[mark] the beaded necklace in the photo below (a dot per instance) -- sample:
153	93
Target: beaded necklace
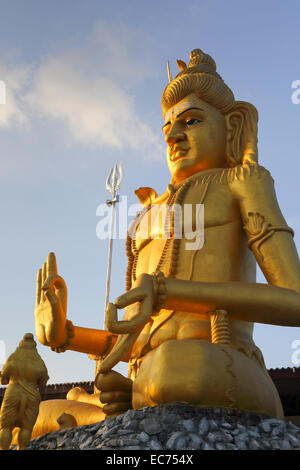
175	197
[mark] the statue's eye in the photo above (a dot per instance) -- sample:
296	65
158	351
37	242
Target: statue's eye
192	121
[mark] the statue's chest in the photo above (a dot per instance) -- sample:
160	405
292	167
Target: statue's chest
181	216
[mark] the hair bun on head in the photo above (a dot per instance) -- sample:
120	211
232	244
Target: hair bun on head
198	57
199	77
199	63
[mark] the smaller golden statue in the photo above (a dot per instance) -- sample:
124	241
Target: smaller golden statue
66	421
24	371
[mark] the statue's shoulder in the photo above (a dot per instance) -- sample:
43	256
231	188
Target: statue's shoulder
247	172
250	179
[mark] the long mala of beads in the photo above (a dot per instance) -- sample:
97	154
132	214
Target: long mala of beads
133	253
130	262
176	241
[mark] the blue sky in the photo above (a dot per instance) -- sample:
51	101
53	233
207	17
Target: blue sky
84	81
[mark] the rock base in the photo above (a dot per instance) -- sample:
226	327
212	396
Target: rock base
176	426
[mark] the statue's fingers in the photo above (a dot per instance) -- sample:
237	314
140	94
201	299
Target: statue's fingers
111	316
51	265
52	325
113	397
134	295
136	321
44	273
113	324
56	284
146	308
54	281
122	326
116	408
121	347
39	287
113	380
44	277
50	295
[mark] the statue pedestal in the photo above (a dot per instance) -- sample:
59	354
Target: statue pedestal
177	426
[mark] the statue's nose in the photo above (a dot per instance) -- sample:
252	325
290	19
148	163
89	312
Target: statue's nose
175	134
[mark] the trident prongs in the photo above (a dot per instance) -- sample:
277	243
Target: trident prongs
114	180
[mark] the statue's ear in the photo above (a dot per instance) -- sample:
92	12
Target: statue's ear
241	145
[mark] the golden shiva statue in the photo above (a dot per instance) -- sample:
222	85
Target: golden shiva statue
24	371
187	330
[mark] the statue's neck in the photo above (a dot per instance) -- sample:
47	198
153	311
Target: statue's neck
197	175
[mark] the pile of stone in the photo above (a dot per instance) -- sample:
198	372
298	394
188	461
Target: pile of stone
177	426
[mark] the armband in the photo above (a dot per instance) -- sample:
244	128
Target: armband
258	230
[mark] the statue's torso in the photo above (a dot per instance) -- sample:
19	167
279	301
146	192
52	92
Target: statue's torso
223	257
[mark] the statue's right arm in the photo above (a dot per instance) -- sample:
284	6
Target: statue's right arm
92	341
52	327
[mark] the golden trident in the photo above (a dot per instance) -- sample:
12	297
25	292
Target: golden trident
113	182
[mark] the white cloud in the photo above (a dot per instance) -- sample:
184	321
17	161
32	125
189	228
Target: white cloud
16	78
88	90
96	109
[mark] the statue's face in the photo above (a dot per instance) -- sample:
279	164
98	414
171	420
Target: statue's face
196	136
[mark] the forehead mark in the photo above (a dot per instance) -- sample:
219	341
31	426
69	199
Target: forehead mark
172	113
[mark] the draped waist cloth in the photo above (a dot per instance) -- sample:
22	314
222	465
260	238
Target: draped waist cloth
20	405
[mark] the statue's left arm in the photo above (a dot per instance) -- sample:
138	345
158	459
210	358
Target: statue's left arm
271	241
269	236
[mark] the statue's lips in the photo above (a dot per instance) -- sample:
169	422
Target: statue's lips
178	153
